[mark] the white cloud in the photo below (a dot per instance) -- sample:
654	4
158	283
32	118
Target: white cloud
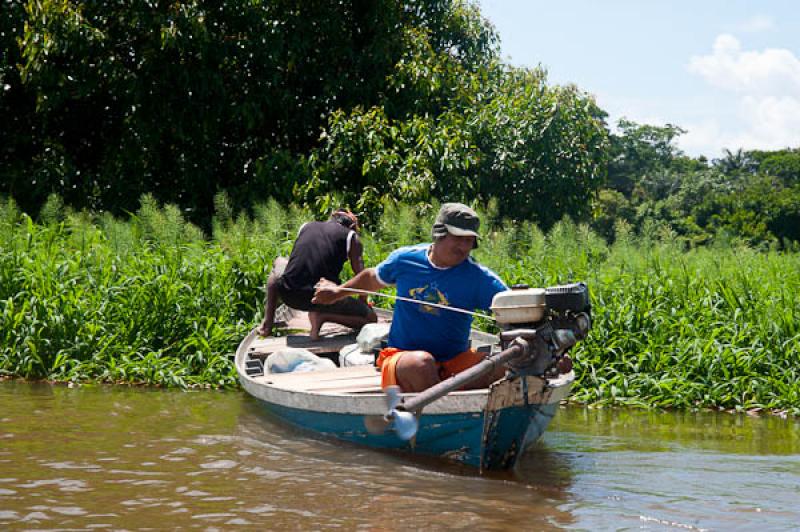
774	121
775	70
767	86
710	136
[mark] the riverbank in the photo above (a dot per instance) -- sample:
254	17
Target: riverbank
151	300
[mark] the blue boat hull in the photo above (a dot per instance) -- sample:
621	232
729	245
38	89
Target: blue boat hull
492	440
485	428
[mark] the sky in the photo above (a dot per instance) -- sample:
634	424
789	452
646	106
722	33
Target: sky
726	71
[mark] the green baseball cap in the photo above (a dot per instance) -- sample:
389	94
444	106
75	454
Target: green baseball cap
457	219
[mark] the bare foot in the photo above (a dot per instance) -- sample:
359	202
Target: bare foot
316	325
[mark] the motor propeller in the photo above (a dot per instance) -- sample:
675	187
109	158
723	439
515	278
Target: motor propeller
404	423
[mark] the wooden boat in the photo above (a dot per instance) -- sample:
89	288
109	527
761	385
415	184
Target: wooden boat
486	428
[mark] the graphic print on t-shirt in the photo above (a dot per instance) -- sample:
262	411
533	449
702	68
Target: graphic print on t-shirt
431	294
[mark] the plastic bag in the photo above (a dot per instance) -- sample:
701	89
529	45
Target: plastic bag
294	359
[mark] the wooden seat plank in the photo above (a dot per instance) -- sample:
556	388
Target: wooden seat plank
261	348
356	378
338	374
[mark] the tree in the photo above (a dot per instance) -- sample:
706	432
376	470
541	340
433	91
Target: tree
183	99
640	150
502	134
21	131
543	149
735	164
784	164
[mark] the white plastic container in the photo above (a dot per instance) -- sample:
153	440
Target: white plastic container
351	355
519	306
371	335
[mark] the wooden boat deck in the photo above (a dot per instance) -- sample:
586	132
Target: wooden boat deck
354	379
328	343
333	337
295	333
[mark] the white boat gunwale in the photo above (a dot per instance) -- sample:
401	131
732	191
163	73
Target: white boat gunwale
307	391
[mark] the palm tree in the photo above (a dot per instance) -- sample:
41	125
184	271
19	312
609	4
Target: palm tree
735	164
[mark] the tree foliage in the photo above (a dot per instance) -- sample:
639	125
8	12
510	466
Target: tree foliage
183	99
783	164
20	134
362	103
316	101
506	134
751	196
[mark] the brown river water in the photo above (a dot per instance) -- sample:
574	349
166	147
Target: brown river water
131	458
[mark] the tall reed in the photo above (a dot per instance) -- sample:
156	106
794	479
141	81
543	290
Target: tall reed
151	300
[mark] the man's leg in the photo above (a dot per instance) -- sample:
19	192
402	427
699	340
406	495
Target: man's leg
416	371
319	317
271	299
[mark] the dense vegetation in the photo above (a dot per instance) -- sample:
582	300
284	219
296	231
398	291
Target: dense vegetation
233	114
349	102
318	102
151	301
328	103
751	197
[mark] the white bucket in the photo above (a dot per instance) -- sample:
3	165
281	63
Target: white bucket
371	335
351	355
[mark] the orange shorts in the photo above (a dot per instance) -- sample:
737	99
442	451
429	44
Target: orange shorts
389	356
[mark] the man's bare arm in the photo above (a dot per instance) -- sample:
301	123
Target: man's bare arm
328	292
356	255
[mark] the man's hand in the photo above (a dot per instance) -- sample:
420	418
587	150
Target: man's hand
326	292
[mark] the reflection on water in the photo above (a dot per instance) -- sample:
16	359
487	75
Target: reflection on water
135	458
633	469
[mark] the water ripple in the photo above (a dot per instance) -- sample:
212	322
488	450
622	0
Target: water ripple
164	461
220	464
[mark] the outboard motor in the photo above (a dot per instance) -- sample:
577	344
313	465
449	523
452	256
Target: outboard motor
551	320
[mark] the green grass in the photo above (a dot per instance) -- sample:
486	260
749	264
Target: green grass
144	301
151	300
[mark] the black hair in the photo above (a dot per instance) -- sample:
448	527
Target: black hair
345	219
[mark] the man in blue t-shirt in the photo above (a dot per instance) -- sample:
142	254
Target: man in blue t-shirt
429	343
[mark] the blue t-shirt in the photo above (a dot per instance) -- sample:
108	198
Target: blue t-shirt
441	332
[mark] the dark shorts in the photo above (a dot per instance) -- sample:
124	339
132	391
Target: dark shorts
301	300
